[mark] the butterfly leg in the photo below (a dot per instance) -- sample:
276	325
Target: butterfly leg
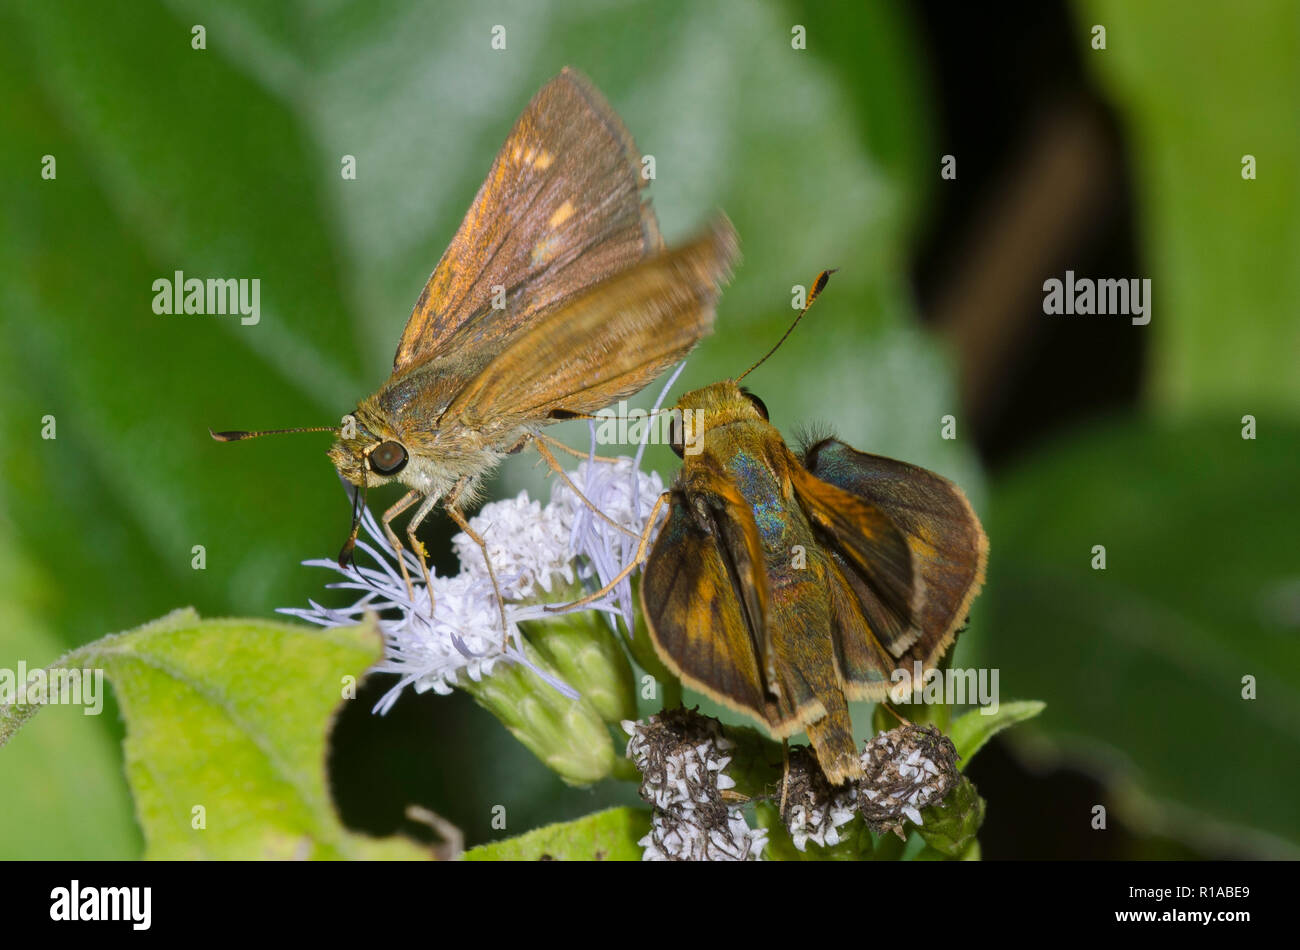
550	460
896	714
452	497
572	451
406	501
632	565
785	776
417	545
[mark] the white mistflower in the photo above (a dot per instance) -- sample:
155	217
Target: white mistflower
626	496
528	545
531	546
463	637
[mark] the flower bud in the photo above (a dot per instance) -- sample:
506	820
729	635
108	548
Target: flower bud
568	735
906	769
950	826
588	657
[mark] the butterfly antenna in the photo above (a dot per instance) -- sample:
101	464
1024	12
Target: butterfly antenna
818	286
238	435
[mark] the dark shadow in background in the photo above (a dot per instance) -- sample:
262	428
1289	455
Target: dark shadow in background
1041	155
1043	185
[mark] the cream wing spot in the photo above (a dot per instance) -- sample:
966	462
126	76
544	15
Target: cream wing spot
563	213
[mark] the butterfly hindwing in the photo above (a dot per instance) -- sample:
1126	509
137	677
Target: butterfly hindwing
603	346
947	546
874	555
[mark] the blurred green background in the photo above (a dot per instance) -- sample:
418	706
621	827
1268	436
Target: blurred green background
1072	431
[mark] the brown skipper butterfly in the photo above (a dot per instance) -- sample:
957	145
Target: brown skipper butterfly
784	584
555	298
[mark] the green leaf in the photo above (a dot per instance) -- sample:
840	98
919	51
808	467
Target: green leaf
1142	663
880	62
227	722
971	853
971	730
133	482
63	796
1221	250
609	835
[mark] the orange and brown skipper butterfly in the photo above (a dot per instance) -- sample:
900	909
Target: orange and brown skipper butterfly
555	298
784	584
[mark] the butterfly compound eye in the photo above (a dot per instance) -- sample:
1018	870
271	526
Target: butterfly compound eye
758	403
388	458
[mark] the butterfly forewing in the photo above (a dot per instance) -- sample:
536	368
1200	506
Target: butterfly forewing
561	209
697	618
